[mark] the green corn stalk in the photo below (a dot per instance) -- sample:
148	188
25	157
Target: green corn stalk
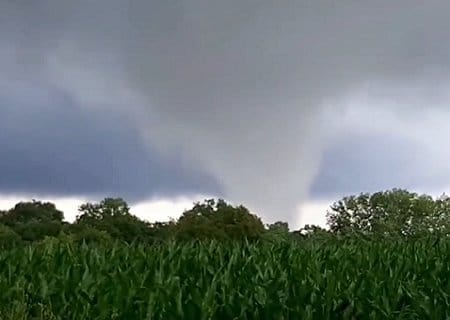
343	279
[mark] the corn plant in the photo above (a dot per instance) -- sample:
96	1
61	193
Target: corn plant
211	280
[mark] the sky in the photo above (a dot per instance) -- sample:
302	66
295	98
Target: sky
283	106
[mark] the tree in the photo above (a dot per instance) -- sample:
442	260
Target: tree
311	230
108	207
440	222
219	220
279	226
35	231
34	220
278	231
32	212
394	212
162	231
84	233
112	215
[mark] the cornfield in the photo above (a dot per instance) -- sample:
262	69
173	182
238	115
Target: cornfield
340	280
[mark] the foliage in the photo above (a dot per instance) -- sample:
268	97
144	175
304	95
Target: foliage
278	231
107	208
32	212
85	233
35	231
390	213
8	237
393	213
386	279
439	222
112	215
162	231
279	226
314	232
219	220
34	220
111	265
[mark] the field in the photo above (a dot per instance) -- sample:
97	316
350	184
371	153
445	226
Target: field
339	280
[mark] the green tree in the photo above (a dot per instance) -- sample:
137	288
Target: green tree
311	230
395	212
108	207
162	231
213	219
34	220
112	215
32	212
84	233
279	226
35	231
278	231
440	221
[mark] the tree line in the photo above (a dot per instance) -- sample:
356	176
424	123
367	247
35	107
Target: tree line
391	213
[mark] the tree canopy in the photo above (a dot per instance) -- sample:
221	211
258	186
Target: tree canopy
395	212
213	219
391	213
32	212
107	208
33	220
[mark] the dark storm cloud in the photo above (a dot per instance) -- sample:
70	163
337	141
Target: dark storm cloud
239	88
371	162
49	146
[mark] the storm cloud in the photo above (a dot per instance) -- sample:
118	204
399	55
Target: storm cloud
49	146
373	162
247	92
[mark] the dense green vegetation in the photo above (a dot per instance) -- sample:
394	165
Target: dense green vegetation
333	280
385	256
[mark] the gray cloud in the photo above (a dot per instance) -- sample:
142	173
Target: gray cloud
50	146
370	162
240	88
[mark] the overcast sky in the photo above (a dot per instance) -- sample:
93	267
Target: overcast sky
279	105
